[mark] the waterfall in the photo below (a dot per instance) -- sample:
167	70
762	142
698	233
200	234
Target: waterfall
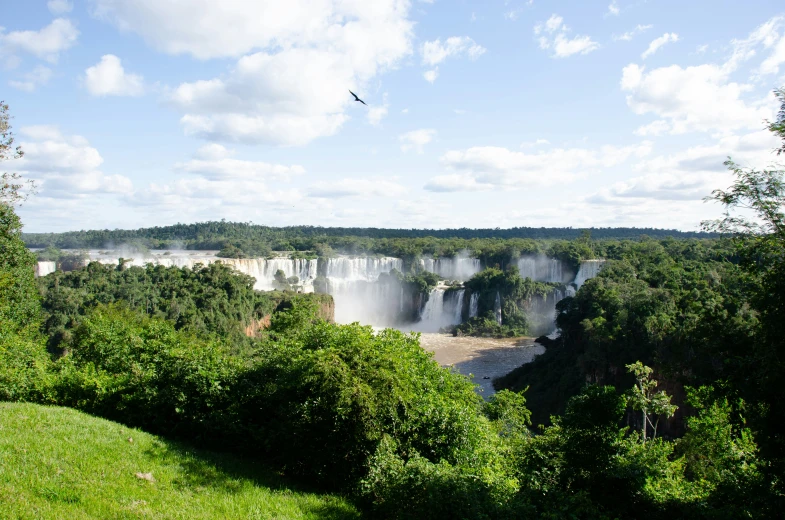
543	269
474	305
44	268
589	269
458	315
433	313
458	268
497	308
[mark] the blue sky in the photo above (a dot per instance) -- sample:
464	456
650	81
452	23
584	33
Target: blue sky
481	114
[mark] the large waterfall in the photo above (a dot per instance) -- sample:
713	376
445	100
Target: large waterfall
359	293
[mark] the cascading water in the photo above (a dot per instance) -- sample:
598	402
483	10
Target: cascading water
44	268
458	268
474	305
588	269
543	269
458	313
497	308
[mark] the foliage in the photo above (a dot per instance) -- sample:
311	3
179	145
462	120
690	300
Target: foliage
643	398
520	299
12	186
211	299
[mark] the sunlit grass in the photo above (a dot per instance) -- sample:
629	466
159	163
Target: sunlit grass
61	463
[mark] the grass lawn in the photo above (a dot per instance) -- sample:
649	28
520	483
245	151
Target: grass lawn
63	464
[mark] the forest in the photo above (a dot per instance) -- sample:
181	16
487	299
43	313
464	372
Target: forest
662	396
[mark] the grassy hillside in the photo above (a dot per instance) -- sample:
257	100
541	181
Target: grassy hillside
61	463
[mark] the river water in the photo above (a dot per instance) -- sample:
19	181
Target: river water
481	357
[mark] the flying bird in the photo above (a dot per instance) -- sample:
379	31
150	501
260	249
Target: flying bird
358	99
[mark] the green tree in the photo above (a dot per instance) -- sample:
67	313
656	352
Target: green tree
643	397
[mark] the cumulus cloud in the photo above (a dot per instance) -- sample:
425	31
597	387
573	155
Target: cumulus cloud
687	99
215	162
629	35
294	60
416	139
109	78
46	44
59	6
485	167
553	35
613	9
214	180
356	188
690	174
657	44
431	75
30	81
65	166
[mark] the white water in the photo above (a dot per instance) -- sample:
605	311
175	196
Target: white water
474	305
458	313
458	268
442	309
543	269
497	308
589	269
44	268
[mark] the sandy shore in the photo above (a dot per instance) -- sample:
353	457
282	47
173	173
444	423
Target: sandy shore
481	357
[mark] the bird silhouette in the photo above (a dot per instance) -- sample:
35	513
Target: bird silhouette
358	99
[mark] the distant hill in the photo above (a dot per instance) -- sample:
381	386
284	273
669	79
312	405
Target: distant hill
214	233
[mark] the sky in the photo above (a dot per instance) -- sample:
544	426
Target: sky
496	113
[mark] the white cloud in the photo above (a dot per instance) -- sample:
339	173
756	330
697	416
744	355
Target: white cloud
65	166
214	181
655	128
613	8
456	182
32	80
483	167
702	49
688	99
295	60
431	75
656	44
768	34
57	7
46	44
108	78
553	35
214	162
690	174
416	139
434	52
378	112
356	188
629	35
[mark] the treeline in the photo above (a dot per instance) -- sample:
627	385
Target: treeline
216	234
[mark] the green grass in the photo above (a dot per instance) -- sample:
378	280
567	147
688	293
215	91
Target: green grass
61	463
